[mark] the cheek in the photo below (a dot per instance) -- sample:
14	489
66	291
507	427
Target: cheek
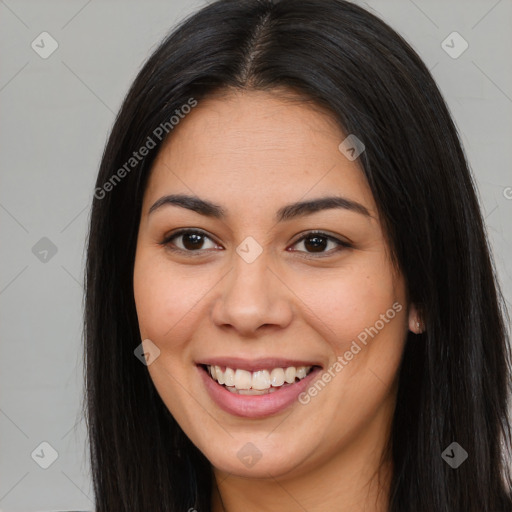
167	300
168	305
361	313
348	301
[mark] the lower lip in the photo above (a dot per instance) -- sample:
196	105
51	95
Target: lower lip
255	406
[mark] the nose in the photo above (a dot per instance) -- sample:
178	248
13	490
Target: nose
252	297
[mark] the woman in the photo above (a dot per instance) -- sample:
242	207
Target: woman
290	300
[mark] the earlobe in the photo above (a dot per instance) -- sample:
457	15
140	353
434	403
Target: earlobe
415	322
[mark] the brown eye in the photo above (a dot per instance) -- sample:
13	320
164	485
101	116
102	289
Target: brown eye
189	241
318	243
192	241
315	243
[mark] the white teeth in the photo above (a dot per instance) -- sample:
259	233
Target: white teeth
220	375
243	379
229	377
289	374
259	382
301	372
277	377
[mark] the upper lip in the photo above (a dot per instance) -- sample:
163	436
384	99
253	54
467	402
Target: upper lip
253	365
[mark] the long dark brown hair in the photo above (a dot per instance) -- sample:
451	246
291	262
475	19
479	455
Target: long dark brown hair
454	380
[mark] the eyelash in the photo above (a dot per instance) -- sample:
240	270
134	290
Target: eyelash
310	234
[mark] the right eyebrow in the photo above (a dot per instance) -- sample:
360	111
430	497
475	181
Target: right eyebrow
201	206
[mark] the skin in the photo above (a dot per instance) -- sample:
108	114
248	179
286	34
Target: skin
252	153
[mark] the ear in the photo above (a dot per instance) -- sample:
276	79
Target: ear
415	321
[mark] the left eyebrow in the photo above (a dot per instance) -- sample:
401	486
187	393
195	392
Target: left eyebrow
302	208
287	212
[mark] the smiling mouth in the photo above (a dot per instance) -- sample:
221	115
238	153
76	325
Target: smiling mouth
261	382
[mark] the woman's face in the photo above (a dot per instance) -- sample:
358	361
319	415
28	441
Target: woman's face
249	288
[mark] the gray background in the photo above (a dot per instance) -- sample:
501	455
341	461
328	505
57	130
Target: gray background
56	114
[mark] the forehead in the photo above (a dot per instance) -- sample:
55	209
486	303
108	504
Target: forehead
253	146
